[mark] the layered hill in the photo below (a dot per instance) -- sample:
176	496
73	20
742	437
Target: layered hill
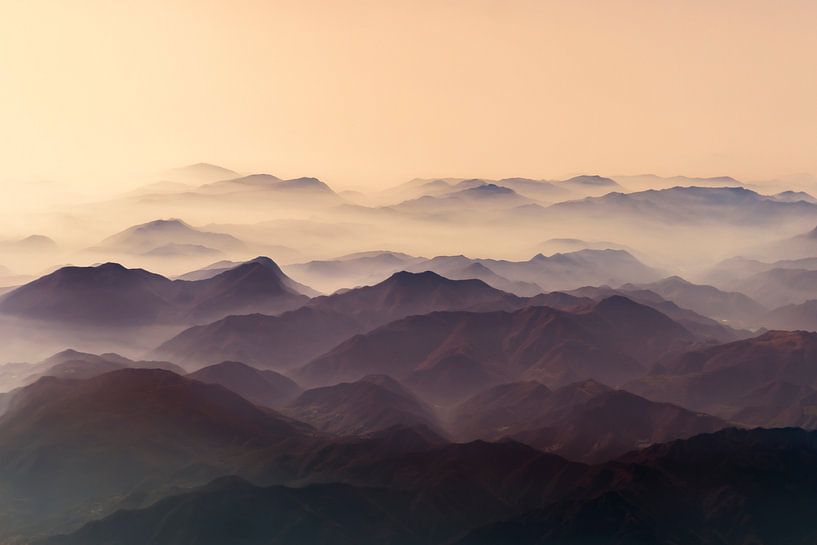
689	206
112	295
729	378
69	445
733	486
298	336
450	355
733	307
584	421
261	386
371	404
155	235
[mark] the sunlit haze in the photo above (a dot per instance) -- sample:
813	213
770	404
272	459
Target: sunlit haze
369	94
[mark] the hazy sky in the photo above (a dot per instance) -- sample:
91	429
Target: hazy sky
376	92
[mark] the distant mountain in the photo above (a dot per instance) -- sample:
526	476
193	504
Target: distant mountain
463	268
133	432
482	196
802	316
715	379
354	270
591	185
735	308
798	247
776	287
73	364
652	181
298	336
182	250
448	356
546	273
541	190
262	387
702	326
268	182
523	278
371	404
735	206
567	245
32	243
112	295
794	196
198	173
726	274
575	269
209	271
154	236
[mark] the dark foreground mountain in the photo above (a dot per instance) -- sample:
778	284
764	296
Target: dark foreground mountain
233	511
444	490
296	337
67	446
733	486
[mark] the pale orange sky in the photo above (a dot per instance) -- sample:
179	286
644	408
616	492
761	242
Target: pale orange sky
372	93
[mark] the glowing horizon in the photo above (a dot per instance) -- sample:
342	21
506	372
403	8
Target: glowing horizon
369	94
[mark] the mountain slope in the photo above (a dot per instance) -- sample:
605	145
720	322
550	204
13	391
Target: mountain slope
614	422
736	206
112	295
295	337
234	511
371	404
733	486
147	237
106	294
68	445
733	307
713	378
451	355
262	387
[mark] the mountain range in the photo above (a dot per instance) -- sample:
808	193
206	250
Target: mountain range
451	355
297	336
112	295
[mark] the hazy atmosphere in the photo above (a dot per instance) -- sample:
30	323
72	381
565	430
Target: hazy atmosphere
373	93
408	273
